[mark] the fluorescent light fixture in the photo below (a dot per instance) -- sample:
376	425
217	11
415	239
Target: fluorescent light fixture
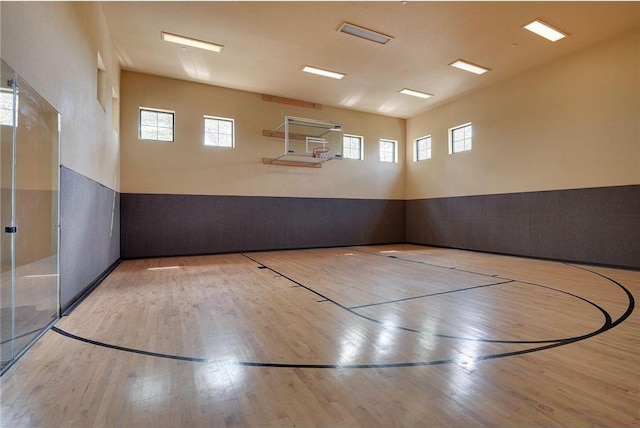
321	72
365	33
467	66
415	93
194	43
545	30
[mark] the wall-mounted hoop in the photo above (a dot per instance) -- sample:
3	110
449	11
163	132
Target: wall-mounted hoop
308	140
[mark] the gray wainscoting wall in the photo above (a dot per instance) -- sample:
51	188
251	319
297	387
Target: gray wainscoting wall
594	225
89	233
166	225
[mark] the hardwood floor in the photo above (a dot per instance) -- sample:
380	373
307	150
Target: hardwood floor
397	335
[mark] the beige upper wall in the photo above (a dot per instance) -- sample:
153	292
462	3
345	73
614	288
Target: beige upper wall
572	123
186	166
54	46
568	124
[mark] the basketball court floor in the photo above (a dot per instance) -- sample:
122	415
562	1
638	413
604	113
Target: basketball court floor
394	335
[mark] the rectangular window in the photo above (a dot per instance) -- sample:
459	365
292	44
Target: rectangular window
102	83
156	124
352	147
460	138
388	151
423	148
115	110
219	132
6	107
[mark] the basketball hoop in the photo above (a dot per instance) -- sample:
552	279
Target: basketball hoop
321	153
307	142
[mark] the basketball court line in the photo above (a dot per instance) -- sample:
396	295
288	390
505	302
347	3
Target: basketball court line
328	253
430	295
607	317
294	365
498	276
546	344
421	262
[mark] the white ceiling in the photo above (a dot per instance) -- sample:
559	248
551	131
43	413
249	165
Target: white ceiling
267	43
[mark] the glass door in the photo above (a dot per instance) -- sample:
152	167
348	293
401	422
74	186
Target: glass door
29	295
8	113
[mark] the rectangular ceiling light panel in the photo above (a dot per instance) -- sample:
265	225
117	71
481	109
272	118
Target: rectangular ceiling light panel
321	72
467	66
188	41
415	93
545	30
365	33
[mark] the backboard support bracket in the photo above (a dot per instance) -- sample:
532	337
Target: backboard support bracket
282	162
291	101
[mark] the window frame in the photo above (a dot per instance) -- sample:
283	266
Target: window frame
157	110
360	138
223	119
428	149
452	142
394	153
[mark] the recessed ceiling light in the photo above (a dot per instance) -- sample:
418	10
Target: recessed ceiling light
194	43
321	72
545	30
365	33
467	66
415	93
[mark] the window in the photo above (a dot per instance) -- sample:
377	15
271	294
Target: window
352	147
115	110
6	107
102	83
460	138
423	148
388	151
156	124
218	132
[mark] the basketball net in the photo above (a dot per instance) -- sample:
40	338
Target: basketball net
321	153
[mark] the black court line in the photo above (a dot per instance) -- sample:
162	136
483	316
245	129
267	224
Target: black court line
421	262
461	361
325	298
263	266
632	301
609	324
606	315
430	295
132	350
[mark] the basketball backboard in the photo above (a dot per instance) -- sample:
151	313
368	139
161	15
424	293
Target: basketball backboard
310	138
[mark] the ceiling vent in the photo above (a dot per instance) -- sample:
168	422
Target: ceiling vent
365	33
